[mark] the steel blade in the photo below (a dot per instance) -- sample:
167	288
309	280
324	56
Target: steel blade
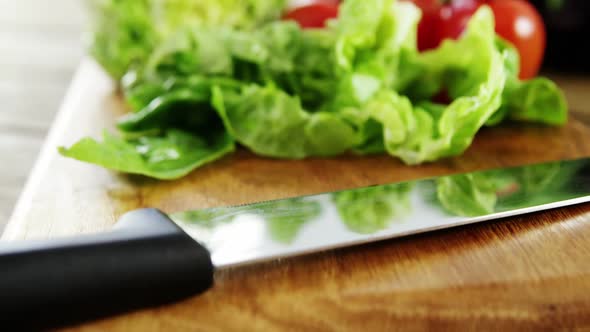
294	226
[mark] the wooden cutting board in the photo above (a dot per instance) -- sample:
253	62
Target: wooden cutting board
527	272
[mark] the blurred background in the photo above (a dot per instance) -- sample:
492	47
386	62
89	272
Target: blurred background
40	47
567	23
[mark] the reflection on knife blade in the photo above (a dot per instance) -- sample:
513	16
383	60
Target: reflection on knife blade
293	226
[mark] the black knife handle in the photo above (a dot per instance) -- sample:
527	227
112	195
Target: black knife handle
144	261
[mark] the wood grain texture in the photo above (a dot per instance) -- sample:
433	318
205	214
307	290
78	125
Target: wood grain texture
529	272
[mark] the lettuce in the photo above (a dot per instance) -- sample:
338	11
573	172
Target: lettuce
538	100
357	28
272	123
169	155
202	76
471	69
125	33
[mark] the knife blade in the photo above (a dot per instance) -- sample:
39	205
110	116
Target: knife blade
150	258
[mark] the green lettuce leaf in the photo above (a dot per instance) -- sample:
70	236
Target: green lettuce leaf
357	26
313	78
125	33
181	103
170	155
536	100
180	108
122	34
190	51
379	61
472	71
244	14
272	123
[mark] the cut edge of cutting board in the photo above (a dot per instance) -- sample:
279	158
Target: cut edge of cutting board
84	77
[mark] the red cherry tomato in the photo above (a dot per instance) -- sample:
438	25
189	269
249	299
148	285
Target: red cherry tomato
427	36
443	19
453	18
314	15
519	22
516	21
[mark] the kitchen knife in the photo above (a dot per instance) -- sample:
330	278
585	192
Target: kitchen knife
150	258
